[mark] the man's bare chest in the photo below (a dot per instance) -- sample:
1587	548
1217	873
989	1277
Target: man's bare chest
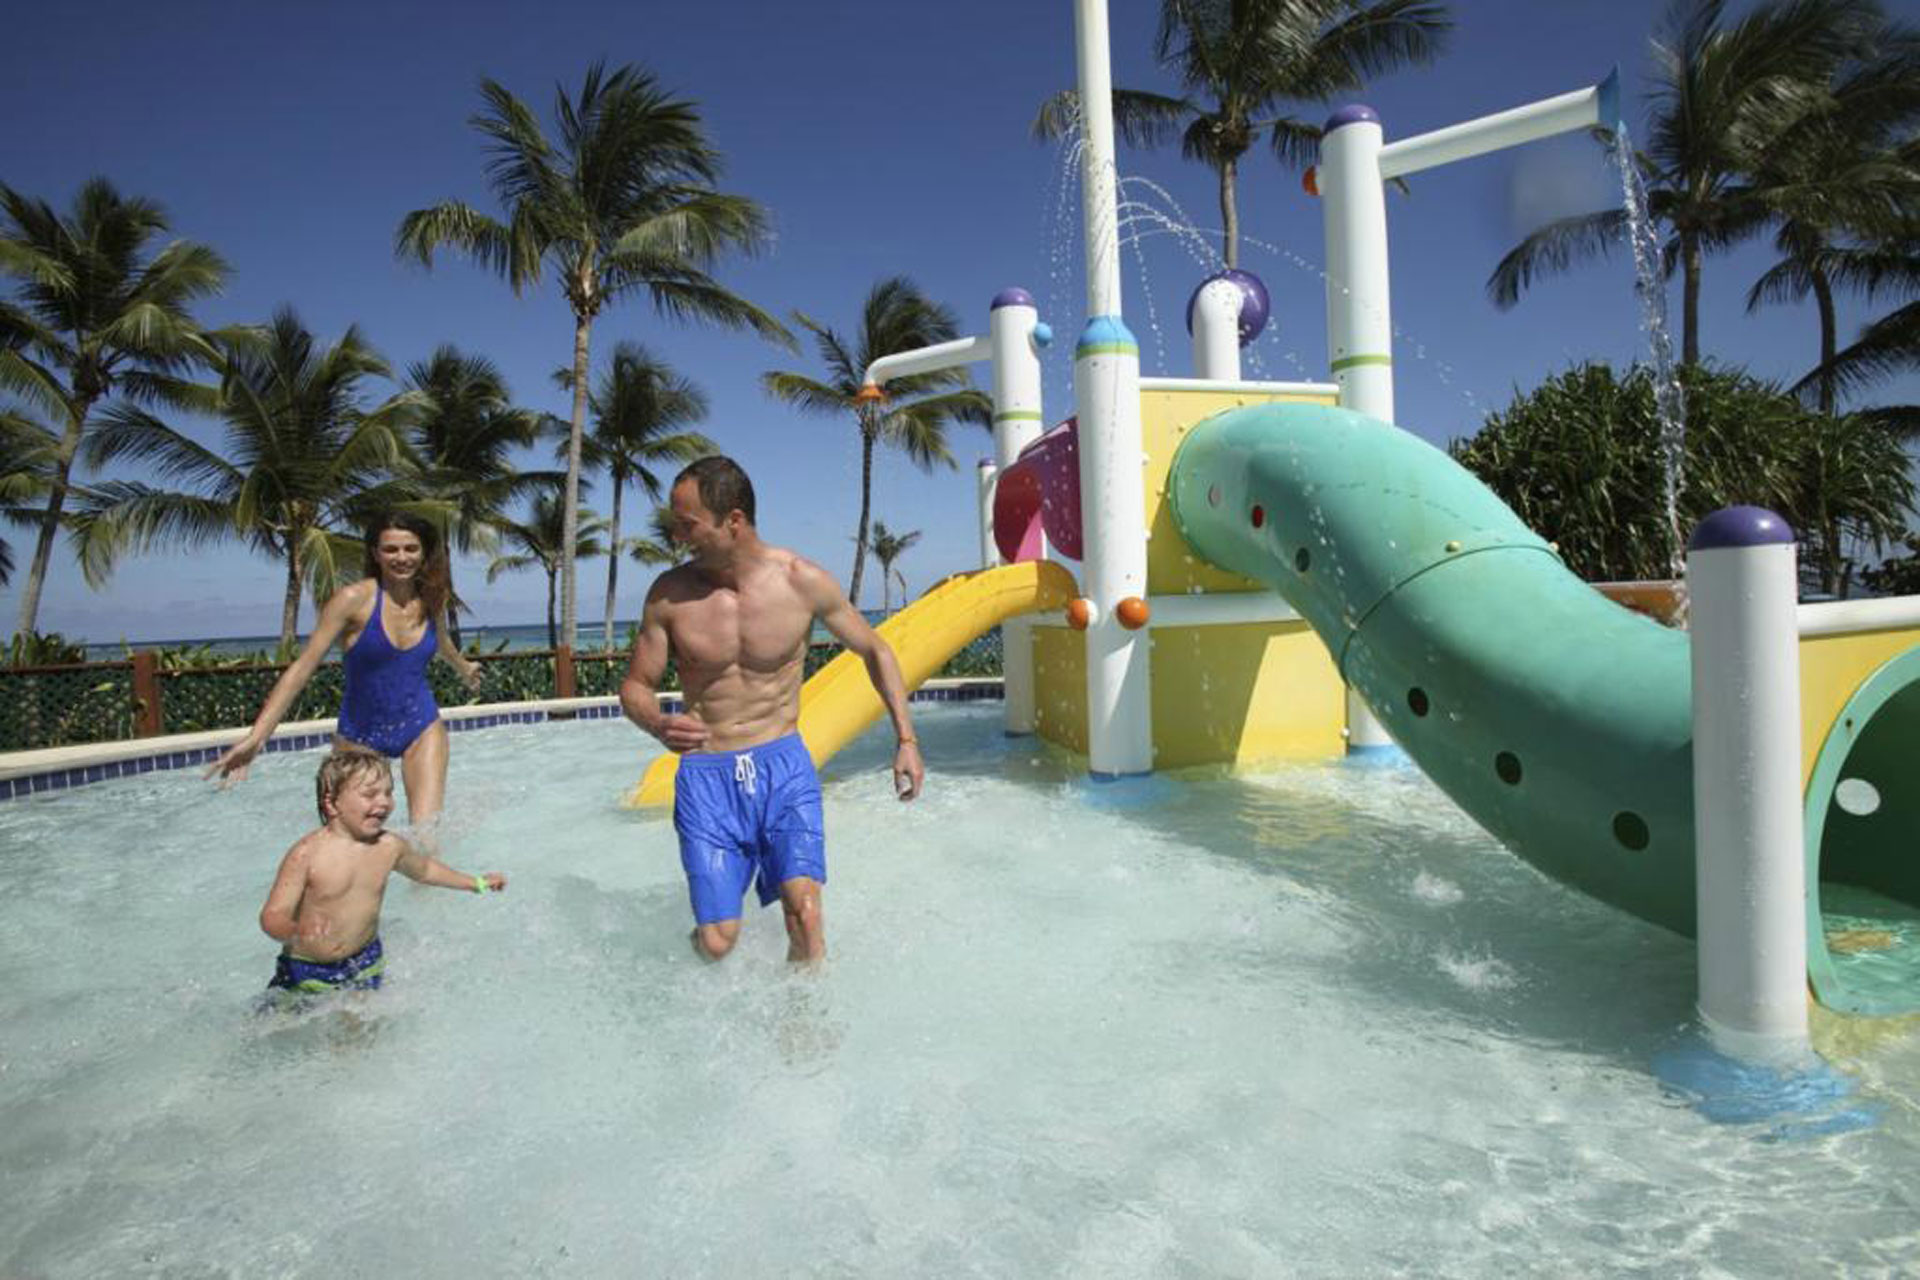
729	630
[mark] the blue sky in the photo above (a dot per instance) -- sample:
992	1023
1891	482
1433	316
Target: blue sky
884	138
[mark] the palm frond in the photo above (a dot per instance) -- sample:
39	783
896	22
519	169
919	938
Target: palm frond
1553	248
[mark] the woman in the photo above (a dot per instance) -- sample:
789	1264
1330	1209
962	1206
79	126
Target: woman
390	624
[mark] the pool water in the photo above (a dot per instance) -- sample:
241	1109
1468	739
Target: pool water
1309	1022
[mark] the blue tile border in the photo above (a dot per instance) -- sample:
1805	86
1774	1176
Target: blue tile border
82	775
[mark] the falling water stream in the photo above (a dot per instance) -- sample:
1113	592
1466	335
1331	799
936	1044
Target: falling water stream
1669	398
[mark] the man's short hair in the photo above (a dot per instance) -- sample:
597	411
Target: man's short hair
343	765
723	486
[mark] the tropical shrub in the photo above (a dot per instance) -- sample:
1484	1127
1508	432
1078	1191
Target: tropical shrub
1579	459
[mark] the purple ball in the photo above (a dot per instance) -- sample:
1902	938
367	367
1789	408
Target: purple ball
1254	303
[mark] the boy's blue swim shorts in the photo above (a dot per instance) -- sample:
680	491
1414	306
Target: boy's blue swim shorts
358	971
742	813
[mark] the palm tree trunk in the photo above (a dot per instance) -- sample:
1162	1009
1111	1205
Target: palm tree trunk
1690	300
50	520
1229	213
866	504
1823	296
570	525
290	604
454	605
553	636
1830	559
613	556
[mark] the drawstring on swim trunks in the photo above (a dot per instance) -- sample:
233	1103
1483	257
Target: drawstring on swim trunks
743	772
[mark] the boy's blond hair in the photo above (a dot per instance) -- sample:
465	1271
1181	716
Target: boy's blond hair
343	765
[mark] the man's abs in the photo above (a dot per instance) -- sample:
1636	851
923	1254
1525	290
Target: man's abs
744	709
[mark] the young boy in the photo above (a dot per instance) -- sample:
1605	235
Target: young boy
324	906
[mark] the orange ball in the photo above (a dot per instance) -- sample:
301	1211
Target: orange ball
1310	182
1079	614
1132	613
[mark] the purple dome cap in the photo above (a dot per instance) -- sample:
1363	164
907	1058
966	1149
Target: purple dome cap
1740	527
1255	305
1011	298
1354	114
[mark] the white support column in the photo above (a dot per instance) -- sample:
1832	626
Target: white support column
1106	381
1017	336
1359	325
1750	859
1216	331
989	553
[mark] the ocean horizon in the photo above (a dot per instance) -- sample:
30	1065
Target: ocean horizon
502	638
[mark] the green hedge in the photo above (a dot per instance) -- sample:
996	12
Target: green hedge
94	702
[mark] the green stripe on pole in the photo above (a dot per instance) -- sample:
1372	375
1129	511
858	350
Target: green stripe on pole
1018	415
1107	349
1350	361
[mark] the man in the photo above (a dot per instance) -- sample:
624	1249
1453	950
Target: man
736	618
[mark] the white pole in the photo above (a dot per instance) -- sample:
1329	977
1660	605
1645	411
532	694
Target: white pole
1359	328
1106	381
1099	175
1216	331
1750	865
989	553
1015	331
1017	336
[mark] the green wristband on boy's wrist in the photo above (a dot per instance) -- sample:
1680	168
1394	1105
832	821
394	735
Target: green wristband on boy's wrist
479	884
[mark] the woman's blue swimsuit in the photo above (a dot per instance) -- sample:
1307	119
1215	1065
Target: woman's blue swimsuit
387	703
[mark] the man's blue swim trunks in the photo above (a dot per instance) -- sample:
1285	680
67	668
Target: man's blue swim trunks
358	972
386	703
739	813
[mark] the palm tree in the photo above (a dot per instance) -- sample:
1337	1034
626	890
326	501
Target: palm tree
639	409
99	313
1721	95
1239	62
301	469
897	317
624	203
1842	182
27	452
889	546
1887	346
464	432
540	539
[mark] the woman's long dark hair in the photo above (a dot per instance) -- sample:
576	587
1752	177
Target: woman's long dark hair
435	578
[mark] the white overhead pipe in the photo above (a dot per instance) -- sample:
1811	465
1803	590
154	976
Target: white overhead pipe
941	355
1322	389
1595	107
1847	617
1220	609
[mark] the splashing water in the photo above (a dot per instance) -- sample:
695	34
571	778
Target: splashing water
1669	398
1301	1020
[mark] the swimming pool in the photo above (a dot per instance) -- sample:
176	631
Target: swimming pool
1309	1022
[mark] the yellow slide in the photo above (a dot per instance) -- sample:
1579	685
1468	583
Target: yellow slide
839	701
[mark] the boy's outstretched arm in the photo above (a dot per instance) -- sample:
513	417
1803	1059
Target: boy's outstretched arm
426	869
279	918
